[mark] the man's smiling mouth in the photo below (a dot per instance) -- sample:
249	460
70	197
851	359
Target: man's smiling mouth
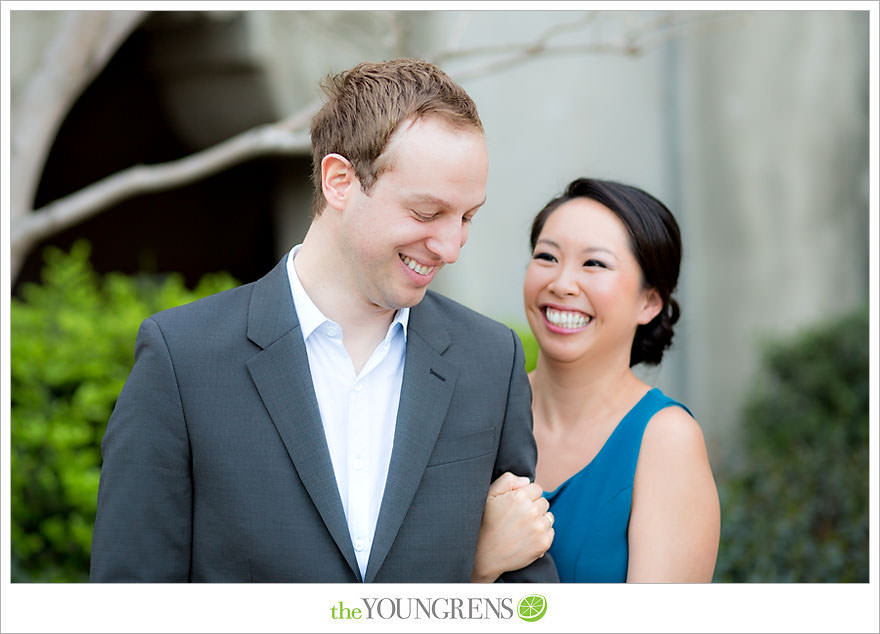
415	266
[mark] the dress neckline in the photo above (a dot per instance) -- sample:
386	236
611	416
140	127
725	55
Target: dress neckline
617	427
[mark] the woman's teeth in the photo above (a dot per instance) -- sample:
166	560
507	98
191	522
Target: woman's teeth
566	319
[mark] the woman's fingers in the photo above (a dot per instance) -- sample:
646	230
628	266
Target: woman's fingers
507	482
530	492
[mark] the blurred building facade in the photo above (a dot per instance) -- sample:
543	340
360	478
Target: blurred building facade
752	126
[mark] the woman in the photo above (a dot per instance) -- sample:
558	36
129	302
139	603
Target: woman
630	492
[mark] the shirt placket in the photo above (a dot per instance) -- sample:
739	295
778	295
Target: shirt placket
363	453
359	482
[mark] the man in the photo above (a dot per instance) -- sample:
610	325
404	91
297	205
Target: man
331	421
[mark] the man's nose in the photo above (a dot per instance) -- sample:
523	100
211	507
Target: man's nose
448	237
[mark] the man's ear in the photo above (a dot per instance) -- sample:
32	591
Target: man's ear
337	179
651	307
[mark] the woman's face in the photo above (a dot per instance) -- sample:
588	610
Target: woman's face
583	290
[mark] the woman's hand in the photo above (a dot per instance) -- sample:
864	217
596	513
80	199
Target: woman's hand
516	530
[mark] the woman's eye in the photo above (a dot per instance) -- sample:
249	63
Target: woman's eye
595	263
544	256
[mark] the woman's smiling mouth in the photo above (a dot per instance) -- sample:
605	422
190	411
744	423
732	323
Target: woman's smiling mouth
571	320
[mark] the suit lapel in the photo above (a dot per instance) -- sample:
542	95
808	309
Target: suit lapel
282	377
425	395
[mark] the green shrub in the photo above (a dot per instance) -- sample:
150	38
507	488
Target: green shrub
530	345
72	348
795	497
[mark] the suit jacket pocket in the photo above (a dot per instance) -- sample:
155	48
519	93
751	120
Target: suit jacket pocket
458	448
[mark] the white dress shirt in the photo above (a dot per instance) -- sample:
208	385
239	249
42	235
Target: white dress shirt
359	411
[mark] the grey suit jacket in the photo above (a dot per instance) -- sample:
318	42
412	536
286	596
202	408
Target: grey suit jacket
216	468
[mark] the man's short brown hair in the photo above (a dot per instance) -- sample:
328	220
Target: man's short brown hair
367	103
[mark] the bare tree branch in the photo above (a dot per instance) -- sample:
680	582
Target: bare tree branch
290	136
141	179
539	42
667	27
85	42
517	57
636	41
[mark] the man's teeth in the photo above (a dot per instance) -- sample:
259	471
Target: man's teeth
415	266
566	319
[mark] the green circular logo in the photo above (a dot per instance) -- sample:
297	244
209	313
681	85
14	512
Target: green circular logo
532	607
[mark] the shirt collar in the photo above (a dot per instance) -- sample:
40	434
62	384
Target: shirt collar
310	317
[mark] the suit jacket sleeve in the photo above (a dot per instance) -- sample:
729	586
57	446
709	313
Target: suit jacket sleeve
143	526
517	453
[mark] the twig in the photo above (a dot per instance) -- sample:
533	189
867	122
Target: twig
636	41
539	42
140	179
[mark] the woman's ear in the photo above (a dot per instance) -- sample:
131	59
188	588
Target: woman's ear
337	179
652	304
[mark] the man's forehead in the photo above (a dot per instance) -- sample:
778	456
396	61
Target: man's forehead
416	123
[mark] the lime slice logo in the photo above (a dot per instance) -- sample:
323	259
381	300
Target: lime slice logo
532	607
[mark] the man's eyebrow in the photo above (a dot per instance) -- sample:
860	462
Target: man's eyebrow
430	199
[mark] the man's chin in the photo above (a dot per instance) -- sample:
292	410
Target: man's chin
409	299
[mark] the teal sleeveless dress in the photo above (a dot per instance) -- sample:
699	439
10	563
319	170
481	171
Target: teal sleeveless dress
591	509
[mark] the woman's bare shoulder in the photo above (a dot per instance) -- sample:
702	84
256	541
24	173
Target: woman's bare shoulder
672	431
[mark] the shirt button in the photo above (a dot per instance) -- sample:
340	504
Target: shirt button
359	545
358	464
358	387
333	331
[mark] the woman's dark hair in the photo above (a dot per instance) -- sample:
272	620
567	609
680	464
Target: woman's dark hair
655	241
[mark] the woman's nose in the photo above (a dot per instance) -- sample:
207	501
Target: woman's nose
564	283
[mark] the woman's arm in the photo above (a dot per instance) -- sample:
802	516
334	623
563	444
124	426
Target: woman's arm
675	523
516	530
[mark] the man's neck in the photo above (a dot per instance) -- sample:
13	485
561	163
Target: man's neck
334	291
